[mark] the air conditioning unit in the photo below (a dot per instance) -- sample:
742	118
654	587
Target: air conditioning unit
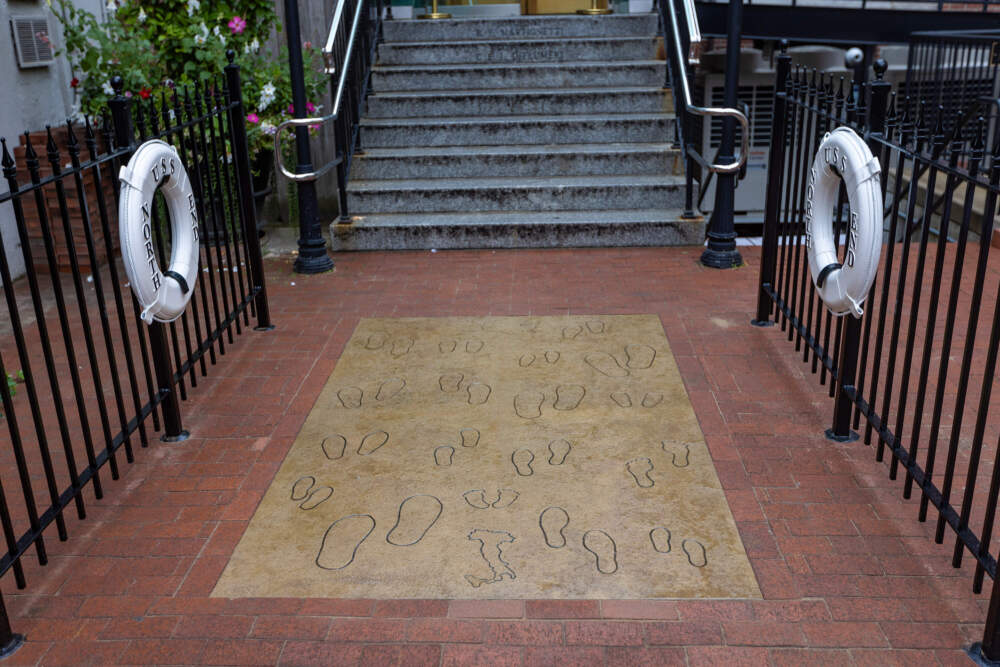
31	41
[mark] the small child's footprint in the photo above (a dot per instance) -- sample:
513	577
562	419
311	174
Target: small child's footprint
622	399
350	397
651	399
451	382
595	326
568	396
447	346
660	539
401	346
478	393
474	346
371	442
604	549
376	340
605	364
640	468
318	496
528	404
334	446
553	521
522	460
571	332
639	356
443	455
302	487
682	460
470	437
695	551
389	388
558	451
505	498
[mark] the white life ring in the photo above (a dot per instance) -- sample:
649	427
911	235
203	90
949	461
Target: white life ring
843	155
162	295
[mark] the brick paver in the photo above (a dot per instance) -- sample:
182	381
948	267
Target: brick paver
847	573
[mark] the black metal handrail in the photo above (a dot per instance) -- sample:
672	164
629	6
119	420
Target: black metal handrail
349	53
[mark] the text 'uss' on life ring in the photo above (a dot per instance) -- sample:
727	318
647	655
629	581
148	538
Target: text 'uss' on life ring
156	166
844	156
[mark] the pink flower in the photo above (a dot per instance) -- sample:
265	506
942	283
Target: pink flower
310	107
291	109
253	118
307	45
237	24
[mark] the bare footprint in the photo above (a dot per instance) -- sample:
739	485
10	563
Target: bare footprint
639	356
682	460
605	364
505	498
446	346
526	360
334	446
443	455
522	460
414	518
371	442
376	340
350	397
470	437
695	552
389	388
604	549
651	400
530	326
553	521
478	393
571	332
595	326
343	539
473	346
640	468
451	382
622	399
528	404
659	537
317	497
568	396
302	487
401	346
551	356
558	451
477	498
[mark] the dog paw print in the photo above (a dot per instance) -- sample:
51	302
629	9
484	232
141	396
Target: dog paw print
473	391
635	357
335	445
528	404
624	399
397	347
308	495
540	360
697	555
353	397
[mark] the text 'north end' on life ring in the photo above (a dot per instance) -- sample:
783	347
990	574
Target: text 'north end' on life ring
844	156
156	166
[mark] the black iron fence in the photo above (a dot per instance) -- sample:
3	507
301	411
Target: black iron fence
95	378
919	367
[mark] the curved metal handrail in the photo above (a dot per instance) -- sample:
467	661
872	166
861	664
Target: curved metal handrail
695	36
319	120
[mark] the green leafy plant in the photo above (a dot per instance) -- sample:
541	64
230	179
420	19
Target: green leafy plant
12	381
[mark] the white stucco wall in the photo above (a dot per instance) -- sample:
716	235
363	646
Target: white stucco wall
32	98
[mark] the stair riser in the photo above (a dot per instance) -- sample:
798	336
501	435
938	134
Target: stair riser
523	166
517	52
507	105
528	132
344	237
524	28
521	199
596	76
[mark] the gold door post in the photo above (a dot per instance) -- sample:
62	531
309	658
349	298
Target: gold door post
434	13
594	9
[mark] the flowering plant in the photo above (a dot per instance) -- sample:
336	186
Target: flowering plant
157	45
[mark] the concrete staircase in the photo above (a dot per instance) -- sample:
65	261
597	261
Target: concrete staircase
530	131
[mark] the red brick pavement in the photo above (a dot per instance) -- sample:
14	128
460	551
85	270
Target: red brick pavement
847	573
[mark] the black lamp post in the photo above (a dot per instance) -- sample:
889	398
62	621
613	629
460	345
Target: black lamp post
312	246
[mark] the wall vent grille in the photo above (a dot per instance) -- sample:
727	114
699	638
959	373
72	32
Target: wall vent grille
31	41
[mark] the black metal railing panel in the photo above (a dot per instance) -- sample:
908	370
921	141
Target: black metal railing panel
919	368
96	379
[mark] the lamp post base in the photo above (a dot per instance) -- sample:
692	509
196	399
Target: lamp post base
721	259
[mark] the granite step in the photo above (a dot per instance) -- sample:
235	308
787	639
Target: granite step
580	74
520	27
433	104
521	161
521	50
509	130
518	229
566	193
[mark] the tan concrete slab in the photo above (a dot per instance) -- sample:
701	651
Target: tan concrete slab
498	457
